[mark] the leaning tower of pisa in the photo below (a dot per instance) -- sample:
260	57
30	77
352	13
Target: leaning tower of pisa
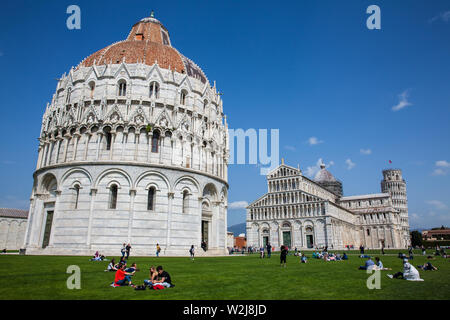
394	184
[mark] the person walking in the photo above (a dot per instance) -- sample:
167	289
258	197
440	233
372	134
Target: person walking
123	250
128	248
269	250
283	256
158	249
191	252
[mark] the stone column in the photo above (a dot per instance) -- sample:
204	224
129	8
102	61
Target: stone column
113	141
170	196
200	199
75	147
55	217
131	214
66	146
91	216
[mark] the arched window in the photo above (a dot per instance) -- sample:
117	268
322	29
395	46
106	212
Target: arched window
155	141
108	137
122	88
92	88
113	197
77	195
185	201
183	97
154	89
151	199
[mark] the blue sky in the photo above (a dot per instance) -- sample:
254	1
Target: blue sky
311	69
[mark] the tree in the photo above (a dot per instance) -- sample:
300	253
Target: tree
416	238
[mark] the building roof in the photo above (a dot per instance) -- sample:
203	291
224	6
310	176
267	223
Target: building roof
13	213
365	196
148	42
324	175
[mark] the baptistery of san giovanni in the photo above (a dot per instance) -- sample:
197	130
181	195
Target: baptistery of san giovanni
133	148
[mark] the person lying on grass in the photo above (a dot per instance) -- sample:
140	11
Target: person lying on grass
409	273
122	278
427	266
132	269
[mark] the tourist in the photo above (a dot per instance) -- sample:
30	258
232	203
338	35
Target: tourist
409	273
192	252
261	252
361	249
132	269
269	250
163	278
369	265
344	256
158	249
283	255
410	251
203	245
152	276
128	248
123	250
382	249
303	259
122	278
427	267
424	251
379	265
112	266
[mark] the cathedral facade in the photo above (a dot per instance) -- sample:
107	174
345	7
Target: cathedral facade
133	149
313	213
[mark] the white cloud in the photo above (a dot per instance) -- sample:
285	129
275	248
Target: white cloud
442	168
403	101
350	164
443	164
439	172
428	220
290	148
238	205
365	151
444	16
437	204
313	141
311	171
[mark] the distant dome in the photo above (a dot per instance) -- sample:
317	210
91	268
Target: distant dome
324	175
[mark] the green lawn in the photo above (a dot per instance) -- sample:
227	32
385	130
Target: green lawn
236	277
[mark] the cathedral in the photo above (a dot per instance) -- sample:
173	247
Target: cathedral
303	213
132	149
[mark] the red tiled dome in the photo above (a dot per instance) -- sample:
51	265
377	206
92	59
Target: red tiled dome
148	42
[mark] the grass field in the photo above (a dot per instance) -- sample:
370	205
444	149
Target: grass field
221	278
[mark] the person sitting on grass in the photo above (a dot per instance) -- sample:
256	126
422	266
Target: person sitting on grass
379	265
122	278
163	278
112	266
153	274
427	267
369	265
409	273
344	256
303	259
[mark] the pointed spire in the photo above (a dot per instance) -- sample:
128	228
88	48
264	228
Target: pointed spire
152	14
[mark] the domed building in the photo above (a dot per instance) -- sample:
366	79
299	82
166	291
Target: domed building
326	180
133	149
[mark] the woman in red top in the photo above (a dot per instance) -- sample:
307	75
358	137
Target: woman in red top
122	278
